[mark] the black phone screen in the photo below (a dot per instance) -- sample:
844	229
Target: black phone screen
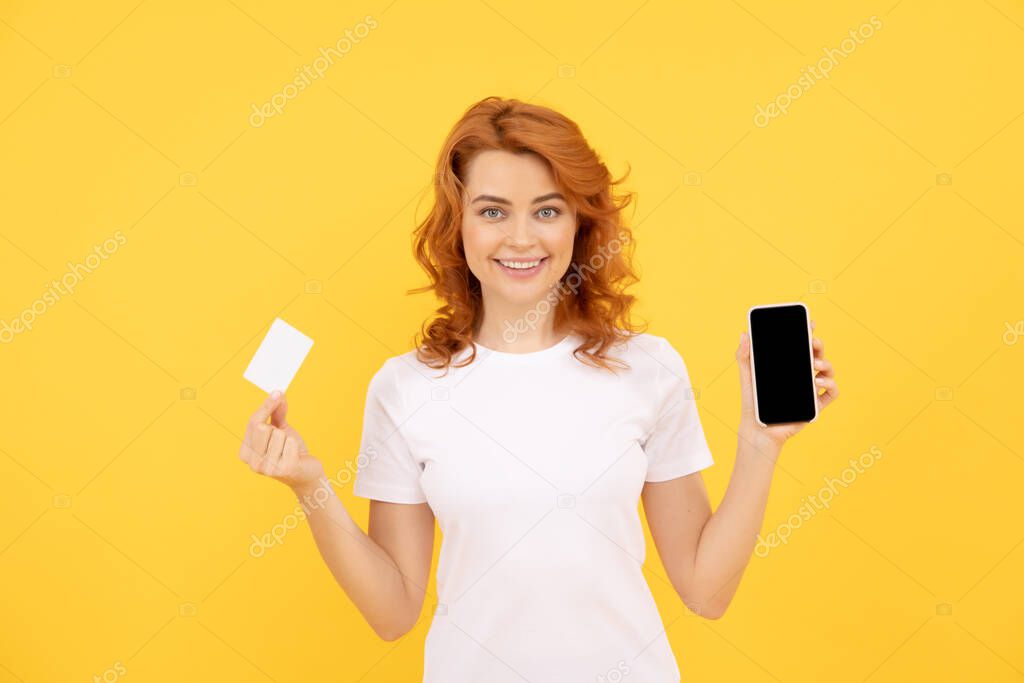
783	374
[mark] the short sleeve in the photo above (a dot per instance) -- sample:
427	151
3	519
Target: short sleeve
675	445
385	468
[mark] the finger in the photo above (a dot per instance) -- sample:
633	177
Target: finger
258	465
823	367
266	409
826	383
743	361
812	324
257	461
246	454
831	394
260	438
277	417
818	346
299	443
290	455
276	445
743	350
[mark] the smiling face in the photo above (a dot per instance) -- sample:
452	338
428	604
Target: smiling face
514	217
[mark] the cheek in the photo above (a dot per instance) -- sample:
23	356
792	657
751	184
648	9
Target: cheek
470	237
564	242
476	242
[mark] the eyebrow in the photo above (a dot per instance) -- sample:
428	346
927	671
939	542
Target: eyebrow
501	200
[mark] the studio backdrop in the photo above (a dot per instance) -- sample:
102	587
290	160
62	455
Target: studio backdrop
176	175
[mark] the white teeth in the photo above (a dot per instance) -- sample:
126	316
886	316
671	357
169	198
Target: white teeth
520	265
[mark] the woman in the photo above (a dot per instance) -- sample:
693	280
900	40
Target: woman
529	421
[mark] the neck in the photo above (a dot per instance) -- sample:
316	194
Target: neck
518	329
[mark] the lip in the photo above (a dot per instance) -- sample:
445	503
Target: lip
519	273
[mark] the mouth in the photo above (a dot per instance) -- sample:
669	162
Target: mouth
521	267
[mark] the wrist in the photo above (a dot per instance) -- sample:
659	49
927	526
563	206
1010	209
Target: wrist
314	493
755	441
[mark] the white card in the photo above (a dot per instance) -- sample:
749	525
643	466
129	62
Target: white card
278	358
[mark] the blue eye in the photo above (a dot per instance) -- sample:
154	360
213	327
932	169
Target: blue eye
557	212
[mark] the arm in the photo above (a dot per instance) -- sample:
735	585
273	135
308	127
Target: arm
384	572
705	554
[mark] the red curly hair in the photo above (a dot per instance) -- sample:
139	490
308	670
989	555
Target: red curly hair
590	297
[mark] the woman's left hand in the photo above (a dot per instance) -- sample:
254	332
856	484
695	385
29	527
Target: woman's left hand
774	436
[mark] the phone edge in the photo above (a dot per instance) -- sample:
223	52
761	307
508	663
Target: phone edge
810	347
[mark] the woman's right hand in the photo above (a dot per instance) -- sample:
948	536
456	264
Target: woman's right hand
276	449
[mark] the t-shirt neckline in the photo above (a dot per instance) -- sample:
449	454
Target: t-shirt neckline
565	342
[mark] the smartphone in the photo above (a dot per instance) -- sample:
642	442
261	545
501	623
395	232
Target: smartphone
782	364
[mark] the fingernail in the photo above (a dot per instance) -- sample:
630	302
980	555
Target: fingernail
819	380
275	395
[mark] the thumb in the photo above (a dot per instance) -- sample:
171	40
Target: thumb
279	409
743	361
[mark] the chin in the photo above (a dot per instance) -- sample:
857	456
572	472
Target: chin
525	295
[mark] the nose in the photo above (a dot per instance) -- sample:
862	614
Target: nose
521	232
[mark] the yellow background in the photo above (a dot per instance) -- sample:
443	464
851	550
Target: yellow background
887	199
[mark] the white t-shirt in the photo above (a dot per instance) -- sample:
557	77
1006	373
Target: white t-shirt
533	464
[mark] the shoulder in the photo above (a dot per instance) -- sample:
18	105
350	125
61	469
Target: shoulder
645	344
383	382
393	374
658	354
394	365
647	341
404	373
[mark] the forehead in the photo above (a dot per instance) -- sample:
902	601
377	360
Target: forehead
522	175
